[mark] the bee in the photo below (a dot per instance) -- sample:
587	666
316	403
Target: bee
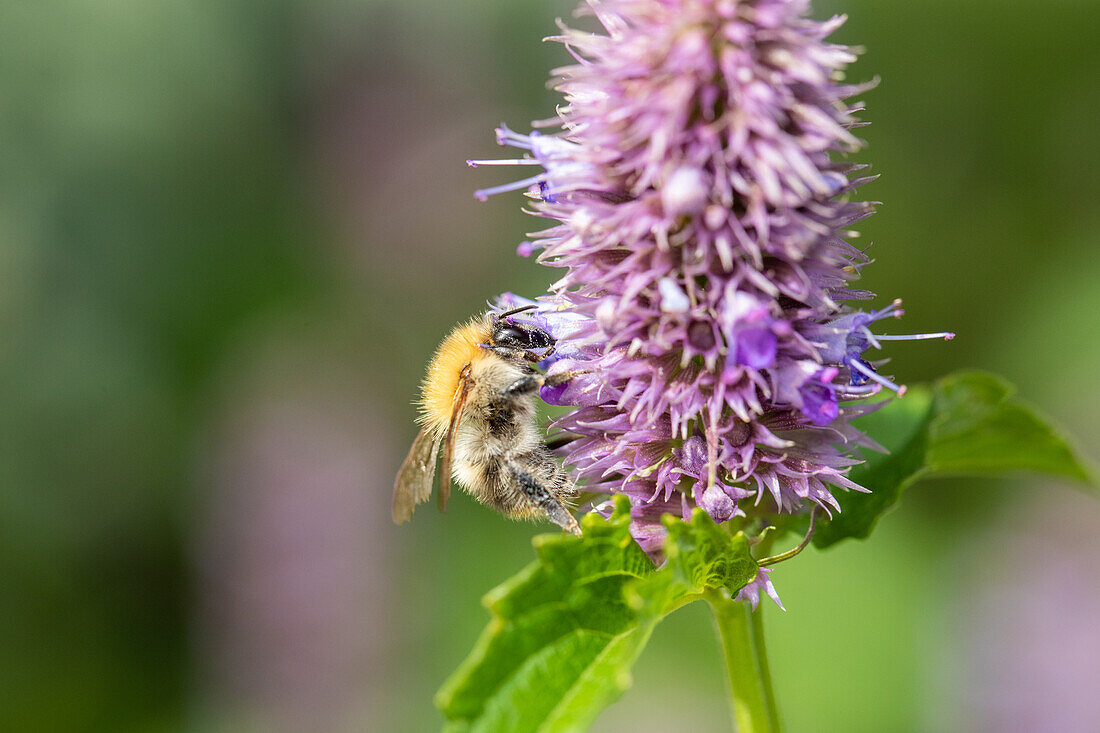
477	408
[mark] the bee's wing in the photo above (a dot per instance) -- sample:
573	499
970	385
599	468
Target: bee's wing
415	478
463	392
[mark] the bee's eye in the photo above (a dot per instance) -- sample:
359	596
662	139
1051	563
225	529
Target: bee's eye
521	337
540	339
511	336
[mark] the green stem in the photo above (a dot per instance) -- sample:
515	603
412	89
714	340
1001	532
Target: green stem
756	619
741	633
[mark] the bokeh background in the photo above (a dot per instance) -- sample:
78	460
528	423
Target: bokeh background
231	233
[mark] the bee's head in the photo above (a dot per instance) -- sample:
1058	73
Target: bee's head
509	335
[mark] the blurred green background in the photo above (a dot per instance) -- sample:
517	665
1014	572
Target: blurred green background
232	232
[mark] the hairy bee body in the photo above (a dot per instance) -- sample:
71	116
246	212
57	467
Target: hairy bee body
478	402
493	432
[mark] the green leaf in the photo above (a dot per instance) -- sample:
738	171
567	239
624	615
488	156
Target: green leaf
966	424
981	429
902	428
566	630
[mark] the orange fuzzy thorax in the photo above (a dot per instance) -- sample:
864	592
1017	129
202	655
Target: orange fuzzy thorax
457	350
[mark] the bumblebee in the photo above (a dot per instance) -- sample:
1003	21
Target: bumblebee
477	409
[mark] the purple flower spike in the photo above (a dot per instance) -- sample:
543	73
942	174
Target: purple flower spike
700	207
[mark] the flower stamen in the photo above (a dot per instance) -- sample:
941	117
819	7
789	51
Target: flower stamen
859	365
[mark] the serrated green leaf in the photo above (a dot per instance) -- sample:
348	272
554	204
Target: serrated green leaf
567	629
967	423
703	555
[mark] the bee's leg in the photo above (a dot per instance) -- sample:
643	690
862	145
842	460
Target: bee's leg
535	357
541	497
531	382
548	353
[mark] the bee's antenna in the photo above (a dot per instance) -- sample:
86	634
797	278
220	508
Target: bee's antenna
505	314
